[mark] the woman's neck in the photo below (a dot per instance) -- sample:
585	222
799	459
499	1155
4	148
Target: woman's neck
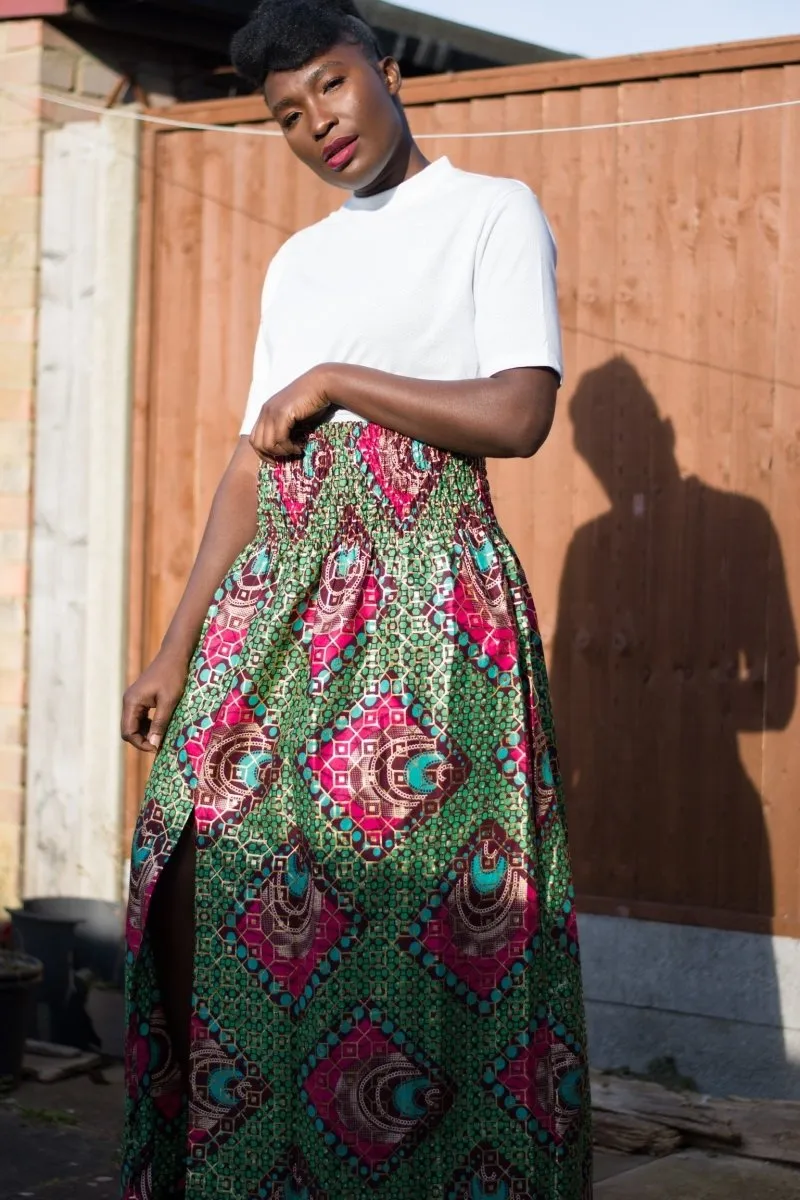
407	161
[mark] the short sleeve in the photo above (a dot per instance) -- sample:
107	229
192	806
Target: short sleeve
516	299
260	387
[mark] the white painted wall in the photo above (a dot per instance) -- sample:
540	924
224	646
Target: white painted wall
74	777
111	404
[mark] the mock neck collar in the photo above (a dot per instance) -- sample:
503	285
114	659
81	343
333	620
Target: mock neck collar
407	192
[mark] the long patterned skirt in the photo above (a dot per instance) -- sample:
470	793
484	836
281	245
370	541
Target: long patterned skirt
387	992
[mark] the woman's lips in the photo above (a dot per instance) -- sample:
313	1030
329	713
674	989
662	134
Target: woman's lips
343	155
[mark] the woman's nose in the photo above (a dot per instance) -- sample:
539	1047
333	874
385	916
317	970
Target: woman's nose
322	124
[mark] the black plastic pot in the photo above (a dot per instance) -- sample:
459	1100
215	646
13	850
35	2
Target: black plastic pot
51	940
20	975
99	939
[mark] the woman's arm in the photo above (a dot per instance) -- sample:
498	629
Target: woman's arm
506	416
231	526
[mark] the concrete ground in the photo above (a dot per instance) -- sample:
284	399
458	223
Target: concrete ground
61	1142
695	1176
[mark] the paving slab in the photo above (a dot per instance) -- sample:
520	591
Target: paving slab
60	1141
608	1164
695	1176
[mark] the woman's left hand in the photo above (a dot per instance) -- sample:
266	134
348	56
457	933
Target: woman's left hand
279	431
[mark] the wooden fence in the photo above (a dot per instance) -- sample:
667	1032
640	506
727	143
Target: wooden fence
660	525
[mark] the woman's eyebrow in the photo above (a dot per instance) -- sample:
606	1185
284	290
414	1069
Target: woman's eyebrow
314	77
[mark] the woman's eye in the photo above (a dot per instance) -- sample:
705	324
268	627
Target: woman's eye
333	83
291	120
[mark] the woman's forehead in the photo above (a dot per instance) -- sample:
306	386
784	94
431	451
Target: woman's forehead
281	87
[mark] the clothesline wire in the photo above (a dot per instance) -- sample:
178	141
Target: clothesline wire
469	135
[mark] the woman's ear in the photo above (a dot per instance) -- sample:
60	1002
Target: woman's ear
390	69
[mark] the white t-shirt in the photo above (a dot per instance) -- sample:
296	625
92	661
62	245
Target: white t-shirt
449	276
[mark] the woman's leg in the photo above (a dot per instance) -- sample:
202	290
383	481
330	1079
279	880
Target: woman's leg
171	931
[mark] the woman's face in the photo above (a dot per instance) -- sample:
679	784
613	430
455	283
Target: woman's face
340	115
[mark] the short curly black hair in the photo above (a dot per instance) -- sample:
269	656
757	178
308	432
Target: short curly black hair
284	35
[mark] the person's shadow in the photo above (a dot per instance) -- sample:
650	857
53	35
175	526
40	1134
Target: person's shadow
674	638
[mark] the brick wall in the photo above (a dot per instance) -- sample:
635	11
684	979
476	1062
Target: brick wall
22	55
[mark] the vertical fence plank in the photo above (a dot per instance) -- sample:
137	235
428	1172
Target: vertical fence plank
781	769
754	351
716	771
275	223
669	652
139	632
210	450
172	516
552	469
512	478
450	118
626	476
252	245
579	683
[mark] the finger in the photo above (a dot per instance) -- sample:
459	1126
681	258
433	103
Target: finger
261	443
138	741
282	449
134	719
264	446
165	707
288	450
137	738
283	443
257	434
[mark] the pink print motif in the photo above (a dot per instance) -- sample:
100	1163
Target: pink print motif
149	854
513	759
150	1065
299	481
240	598
382	769
229	759
376	1095
544	1073
226	1088
352	595
291	927
472	608
400	473
478	932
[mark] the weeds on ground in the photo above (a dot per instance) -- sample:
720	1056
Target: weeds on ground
47	1116
663	1071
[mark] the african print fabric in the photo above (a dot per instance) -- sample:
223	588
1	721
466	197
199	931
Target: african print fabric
387	981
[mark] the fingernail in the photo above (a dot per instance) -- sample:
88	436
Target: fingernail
155	740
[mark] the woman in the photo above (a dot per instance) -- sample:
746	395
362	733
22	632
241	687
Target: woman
353	961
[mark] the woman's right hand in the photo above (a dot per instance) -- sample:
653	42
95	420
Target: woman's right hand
157	690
